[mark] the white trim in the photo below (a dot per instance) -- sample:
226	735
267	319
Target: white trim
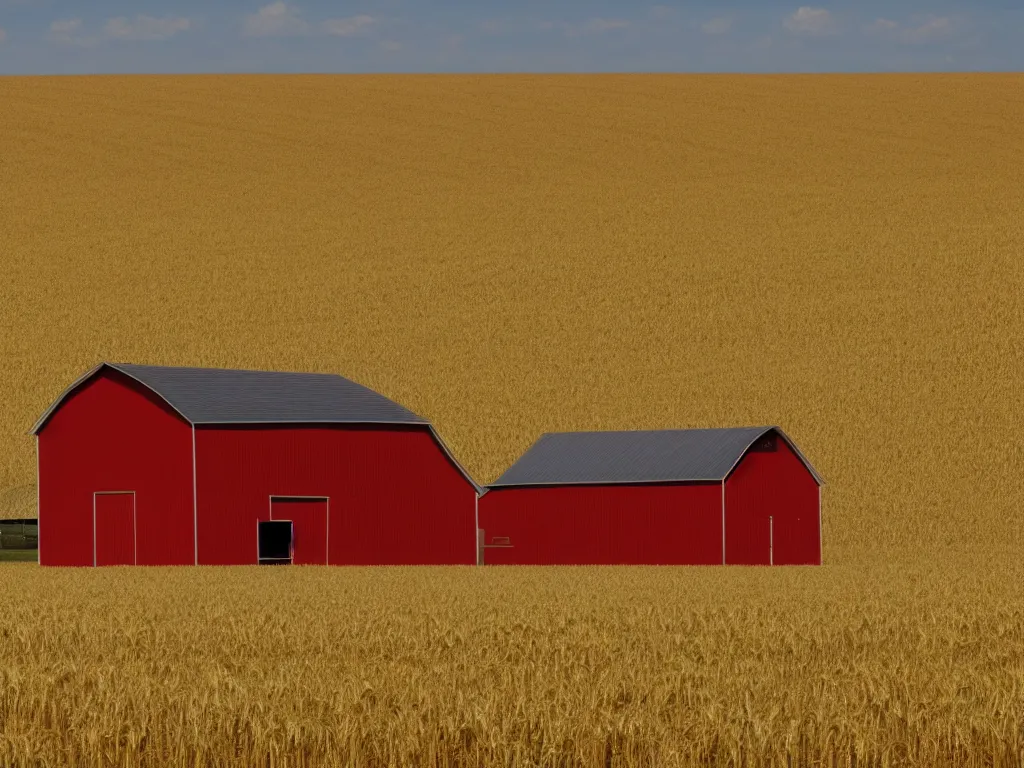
195	501
39	539
819	527
771	540
476	528
661	481
327	531
451	456
300	422
135	523
723	522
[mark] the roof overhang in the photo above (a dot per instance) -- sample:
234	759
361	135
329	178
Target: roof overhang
659	481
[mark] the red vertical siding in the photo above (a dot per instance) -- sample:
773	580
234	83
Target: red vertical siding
395	498
115	528
111	434
309	528
772	484
610	524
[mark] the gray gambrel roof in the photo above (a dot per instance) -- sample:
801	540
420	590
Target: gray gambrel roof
223	396
658	456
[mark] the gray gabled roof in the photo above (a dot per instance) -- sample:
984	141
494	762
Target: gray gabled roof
657	456
225	396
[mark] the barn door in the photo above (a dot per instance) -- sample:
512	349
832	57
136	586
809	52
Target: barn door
113	521
309	518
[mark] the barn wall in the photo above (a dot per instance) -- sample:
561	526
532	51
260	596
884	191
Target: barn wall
775	484
610	524
395	498
112	434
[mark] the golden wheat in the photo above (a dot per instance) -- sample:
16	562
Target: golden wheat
498	667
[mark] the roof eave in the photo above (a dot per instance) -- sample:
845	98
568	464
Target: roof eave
451	456
83	379
554	483
298	422
792	446
60	398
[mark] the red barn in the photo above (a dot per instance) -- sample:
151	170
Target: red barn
153	465
743	496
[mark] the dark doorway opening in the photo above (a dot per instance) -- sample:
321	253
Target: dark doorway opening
275	542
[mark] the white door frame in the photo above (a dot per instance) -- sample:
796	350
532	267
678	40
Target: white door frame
135	526
771	540
327	527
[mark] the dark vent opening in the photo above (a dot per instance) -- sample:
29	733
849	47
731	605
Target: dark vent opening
275	542
766	444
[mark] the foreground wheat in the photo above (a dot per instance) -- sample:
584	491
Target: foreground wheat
499	667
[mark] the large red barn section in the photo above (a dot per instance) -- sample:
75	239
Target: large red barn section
741	496
154	465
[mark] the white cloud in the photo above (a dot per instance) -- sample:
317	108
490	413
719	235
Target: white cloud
810	21
145	27
347	27
883	26
142	27
596	26
929	30
67	32
278	18
717	26
934	28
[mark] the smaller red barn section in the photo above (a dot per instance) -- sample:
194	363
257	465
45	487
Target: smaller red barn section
155	465
737	496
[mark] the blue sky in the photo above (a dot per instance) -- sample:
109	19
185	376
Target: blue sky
156	36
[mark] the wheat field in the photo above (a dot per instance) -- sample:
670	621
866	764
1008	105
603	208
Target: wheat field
508	255
552	667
